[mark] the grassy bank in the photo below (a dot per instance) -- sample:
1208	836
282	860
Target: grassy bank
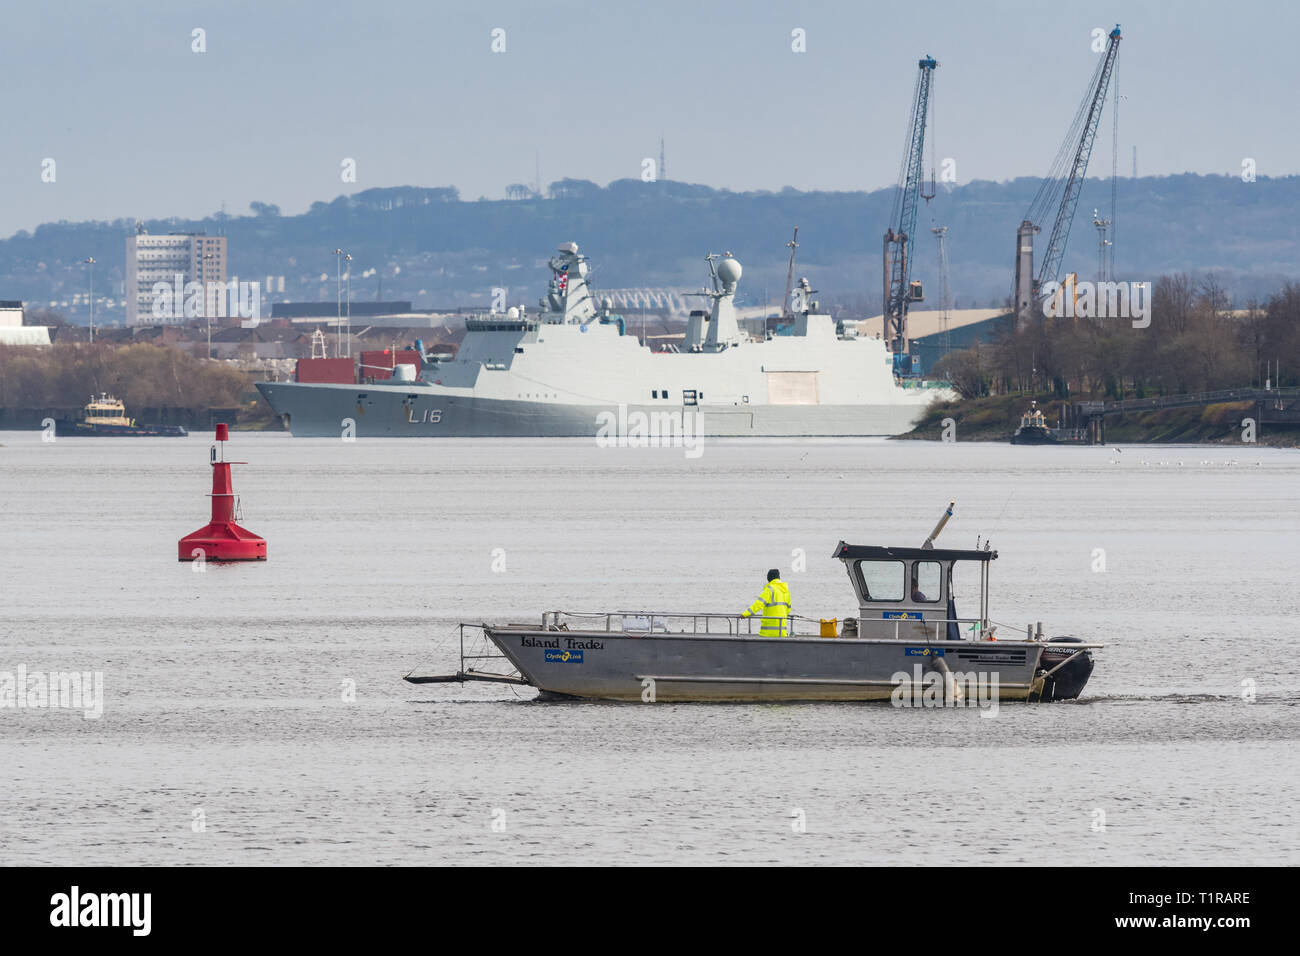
996	419
257	416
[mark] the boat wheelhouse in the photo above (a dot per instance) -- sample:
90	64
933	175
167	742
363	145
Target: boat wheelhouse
106	410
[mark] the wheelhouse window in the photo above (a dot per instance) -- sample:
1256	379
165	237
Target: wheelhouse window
927	581
881	580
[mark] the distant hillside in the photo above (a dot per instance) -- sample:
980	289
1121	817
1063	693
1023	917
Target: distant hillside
435	249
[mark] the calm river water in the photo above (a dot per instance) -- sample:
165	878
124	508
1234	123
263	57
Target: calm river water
227	736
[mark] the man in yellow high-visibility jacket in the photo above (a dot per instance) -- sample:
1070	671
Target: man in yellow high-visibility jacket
774	606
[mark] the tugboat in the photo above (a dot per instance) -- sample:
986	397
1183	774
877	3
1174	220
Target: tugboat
907	644
1033	429
106	415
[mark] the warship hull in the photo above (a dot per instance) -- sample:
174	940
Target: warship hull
411	411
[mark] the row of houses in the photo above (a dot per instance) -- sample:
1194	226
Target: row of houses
294	330
274	339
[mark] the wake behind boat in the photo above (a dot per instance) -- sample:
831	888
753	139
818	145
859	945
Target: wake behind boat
572	371
907	641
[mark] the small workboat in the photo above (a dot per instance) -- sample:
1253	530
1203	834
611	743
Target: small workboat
907	644
106	415
1033	429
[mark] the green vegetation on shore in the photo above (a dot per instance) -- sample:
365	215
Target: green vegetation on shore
144	376
995	419
1194	342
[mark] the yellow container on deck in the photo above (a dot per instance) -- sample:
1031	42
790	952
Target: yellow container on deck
830	628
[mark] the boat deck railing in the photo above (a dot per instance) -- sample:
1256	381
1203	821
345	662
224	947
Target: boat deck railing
738	625
658	622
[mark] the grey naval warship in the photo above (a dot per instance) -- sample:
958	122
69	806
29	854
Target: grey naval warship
571	370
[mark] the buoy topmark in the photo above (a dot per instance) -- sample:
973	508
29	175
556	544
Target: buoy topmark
221	539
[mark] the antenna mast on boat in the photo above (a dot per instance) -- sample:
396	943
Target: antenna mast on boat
929	542
713	272
792	245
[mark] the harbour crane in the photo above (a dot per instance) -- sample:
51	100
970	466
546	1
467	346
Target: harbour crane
899	290
1059	193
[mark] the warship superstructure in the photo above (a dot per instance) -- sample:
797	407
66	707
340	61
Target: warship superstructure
572	370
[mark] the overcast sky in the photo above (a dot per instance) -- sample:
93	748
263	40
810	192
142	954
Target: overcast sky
139	125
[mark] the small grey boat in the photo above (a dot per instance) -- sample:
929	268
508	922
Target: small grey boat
907	644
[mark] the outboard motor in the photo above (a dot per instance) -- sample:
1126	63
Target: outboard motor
1068	682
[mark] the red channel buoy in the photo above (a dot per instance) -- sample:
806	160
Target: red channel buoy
221	539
